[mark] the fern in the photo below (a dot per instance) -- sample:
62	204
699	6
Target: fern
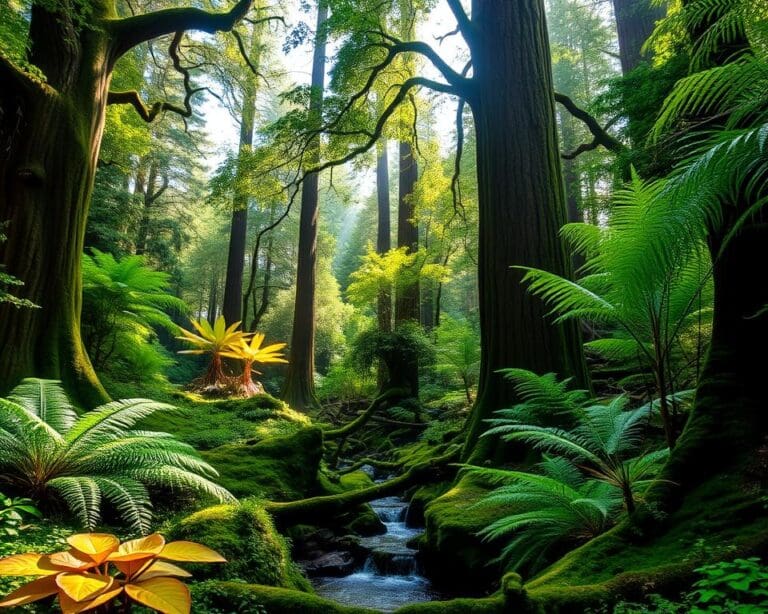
47	451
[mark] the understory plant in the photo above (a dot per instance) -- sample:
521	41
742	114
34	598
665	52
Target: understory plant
250	351
53	456
13	510
214	340
606	439
656	319
125	304
555	508
99	572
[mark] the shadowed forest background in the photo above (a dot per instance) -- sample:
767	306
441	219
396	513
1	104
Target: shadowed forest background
383	305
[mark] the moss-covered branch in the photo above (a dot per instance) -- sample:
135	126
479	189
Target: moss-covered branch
13	78
359	422
132	31
328	505
147	113
378	464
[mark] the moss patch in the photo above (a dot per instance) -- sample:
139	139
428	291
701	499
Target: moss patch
278	468
453	553
236	597
245	536
489	605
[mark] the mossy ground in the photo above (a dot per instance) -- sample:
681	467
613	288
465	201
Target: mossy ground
245	536
453	553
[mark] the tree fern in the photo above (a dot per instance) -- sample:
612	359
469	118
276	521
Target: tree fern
551	509
49	453
606	441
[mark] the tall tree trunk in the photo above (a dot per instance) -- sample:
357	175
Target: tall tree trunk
383	232
51	134
150	197
635	21
521	206
213	299
233	284
299	387
407	297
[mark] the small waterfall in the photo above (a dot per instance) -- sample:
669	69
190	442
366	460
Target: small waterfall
390	576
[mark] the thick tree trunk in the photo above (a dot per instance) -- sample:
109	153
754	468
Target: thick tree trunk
233	285
51	135
635	21
299	387
521	206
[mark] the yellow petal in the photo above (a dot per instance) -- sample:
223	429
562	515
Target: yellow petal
83	586
73	559
166	595
96	545
161	569
190	552
37	589
26	565
142	548
70	606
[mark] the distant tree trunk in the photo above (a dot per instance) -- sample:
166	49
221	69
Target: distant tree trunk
383	232
635	22
521	206
266	288
150	197
299	387
213	299
233	284
407	297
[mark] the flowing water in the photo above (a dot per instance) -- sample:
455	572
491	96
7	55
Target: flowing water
390	577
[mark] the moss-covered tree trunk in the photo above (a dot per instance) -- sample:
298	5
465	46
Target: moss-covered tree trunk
299	387
51	134
521	202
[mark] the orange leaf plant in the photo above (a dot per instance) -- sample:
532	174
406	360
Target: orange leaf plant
97	570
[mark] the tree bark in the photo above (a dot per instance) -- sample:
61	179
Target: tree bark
299	387
635	22
521	206
233	285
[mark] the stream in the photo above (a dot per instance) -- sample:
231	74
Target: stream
390	576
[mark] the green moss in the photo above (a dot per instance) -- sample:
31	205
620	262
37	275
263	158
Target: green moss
421	497
207	424
235	597
361	520
453	553
245	536
629	562
278	468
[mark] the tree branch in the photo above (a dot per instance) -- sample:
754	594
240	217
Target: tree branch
462	19
148	114
132	31
601	136
10	74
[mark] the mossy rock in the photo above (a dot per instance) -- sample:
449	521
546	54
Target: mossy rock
361	520
236	598
452	552
487	605
245	536
277	468
422	497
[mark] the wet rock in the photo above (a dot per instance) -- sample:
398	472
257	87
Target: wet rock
330	564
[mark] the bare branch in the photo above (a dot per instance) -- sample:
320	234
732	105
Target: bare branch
601	136
458	206
131	31
462	19
244	55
